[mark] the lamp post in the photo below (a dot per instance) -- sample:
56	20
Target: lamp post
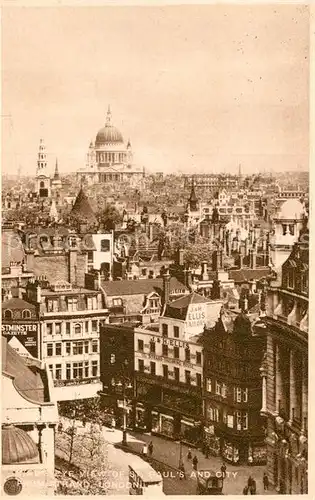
123	384
180	463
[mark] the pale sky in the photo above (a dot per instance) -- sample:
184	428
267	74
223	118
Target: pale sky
195	88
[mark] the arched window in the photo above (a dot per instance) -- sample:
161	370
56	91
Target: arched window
26	314
42	184
78	328
7	314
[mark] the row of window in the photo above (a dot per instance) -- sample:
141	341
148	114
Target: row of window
174	373
26	314
72	348
57	328
72	304
289	280
240	394
166	351
165	331
71	371
237	420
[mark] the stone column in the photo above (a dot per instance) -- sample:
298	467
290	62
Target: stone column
278	387
47	441
304	393
293	395
264	392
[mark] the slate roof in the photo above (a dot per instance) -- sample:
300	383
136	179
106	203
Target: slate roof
178	308
140	287
16	303
243	275
29	379
82	207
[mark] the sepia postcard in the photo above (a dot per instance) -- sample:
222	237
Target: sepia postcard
155	248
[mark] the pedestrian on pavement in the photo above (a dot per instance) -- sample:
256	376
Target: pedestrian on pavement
60	427
195	462
150	448
84	421
253	487
189	455
245	490
223	470
182	474
113	423
265	481
250	481
145	449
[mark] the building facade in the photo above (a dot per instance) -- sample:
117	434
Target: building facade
29	418
20	325
233	427
109	159
70	320
169	369
285	372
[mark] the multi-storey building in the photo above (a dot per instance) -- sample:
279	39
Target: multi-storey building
70	320
285	371
20	325
109	159
169	368
117	372
233	427
212	181
29	417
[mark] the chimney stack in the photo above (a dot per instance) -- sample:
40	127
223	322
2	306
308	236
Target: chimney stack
180	256
166	288
252	258
204	271
215	260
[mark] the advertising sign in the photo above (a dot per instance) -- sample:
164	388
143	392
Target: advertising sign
26	333
196	318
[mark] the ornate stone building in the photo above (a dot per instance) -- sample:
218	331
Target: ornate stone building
29	417
109	159
285	371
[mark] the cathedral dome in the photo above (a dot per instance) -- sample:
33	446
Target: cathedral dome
17	446
292	209
108	134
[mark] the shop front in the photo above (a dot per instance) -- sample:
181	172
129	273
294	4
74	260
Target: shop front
163	424
257	454
140	417
230	452
190	431
212	441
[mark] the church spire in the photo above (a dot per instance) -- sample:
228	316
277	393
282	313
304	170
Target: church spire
108	116
193	200
56	175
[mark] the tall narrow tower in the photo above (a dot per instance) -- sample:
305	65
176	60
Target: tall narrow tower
193	200
42	176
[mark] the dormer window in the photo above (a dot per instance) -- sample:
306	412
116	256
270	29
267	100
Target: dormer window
7	314
26	314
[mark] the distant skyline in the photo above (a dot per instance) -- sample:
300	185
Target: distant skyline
195	88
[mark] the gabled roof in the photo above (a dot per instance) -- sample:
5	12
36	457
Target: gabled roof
140	287
29	379
178	308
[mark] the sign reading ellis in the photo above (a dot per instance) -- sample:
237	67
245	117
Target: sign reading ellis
196	316
26	333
